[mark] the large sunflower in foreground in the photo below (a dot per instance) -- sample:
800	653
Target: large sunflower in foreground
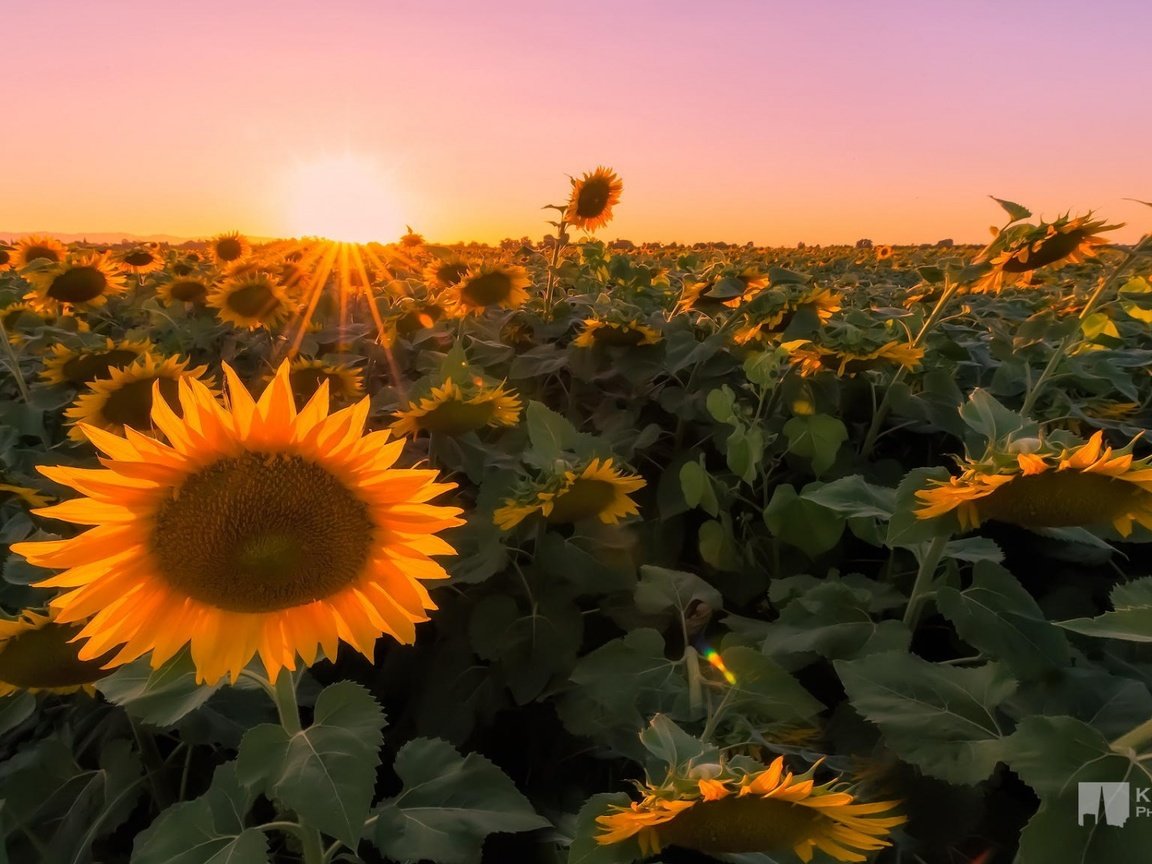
252	300
37	655
1048	487
453	409
257	530
593	197
87	278
37	247
771	811
124	398
79	366
487	287
1022	249
597	491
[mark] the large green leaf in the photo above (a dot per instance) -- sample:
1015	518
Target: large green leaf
802	523
161	696
1130	620
996	615
327	772
817	437
448	805
943	719
762	689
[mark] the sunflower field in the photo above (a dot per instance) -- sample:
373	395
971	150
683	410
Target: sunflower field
575	551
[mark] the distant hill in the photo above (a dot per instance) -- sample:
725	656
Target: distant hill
114	237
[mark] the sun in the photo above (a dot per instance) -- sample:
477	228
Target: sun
345	197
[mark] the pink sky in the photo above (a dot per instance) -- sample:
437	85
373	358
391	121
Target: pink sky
766	121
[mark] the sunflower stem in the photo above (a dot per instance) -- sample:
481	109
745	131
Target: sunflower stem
881	412
924	574
553	265
1134	738
284	695
1070	340
13	363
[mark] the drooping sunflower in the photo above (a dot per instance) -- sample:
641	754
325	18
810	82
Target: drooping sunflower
771	811
37	247
446	273
79	366
124	398
599	490
256	531
37	655
1022	249
1044	486
227	248
251	300
21	318
593	197
716	293
86	278
345	383
488	286
768	316
189	288
141	259
455	410
598	331
848	361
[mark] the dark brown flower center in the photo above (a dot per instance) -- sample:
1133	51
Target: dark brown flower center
586	498
78	285
38	253
229	248
626	335
1061	499
139	258
733	825
1054	249
253	300
188	290
5	257
487	289
262	532
450	274
43	658
593	197
130	404
87	367
455	418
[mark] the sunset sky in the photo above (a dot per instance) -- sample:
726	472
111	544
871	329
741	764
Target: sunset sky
773	122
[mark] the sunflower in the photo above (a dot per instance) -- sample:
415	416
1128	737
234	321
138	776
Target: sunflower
257	531
37	247
454	410
883	253
446	273
775	315
189	288
847	362
411	239
598	490
251	300
20	318
593	197
1018	251
85	278
124	399
79	366
7	257
601	332
141	259
489	286
26	494
1043	486
227	248
37	655
345	383
771	811
741	287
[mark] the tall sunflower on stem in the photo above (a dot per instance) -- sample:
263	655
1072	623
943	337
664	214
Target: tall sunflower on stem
589	207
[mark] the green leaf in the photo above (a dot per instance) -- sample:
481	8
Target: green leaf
802	523
996	615
721	404
160	697
1131	619
661	590
1014	210
986	416
1054	755
696	485
853	496
717	546
327	772
764	690
942	719
743	451
208	830
906	529
550	434
672	746
448	805
817	437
